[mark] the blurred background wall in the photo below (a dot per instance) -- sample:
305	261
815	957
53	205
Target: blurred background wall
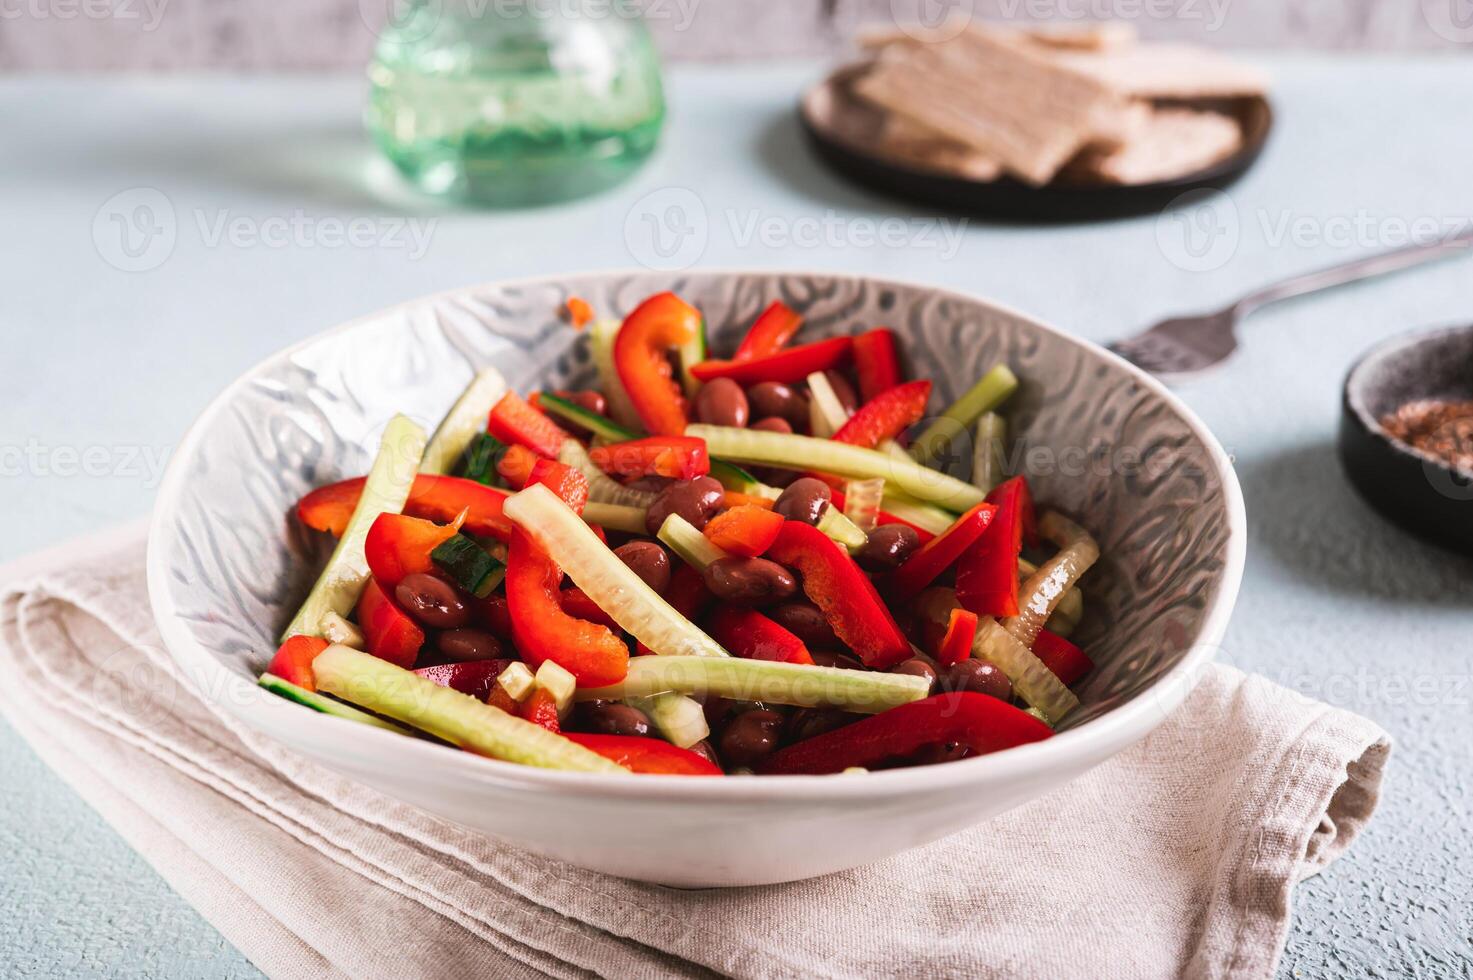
260	35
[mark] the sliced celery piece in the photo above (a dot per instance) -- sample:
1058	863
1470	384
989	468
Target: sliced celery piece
1032	680
600	573
385	490
796	452
465	420
805	685
984	396
687	542
1046	587
447	714
989	451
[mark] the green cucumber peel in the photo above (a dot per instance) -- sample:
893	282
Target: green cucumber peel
384	491
804	685
469	565
481	457
322	705
689	356
732	477
465	420
795	452
987	394
603	576
599	425
447	714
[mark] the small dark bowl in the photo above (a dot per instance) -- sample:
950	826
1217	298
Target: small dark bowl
1063	200
1416	490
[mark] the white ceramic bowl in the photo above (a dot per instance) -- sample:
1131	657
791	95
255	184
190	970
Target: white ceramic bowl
227	564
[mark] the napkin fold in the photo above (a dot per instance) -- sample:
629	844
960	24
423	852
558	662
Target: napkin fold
1175	858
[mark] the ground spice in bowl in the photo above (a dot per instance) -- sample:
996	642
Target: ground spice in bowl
1443	429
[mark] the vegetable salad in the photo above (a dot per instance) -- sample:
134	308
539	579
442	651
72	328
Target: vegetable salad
705	566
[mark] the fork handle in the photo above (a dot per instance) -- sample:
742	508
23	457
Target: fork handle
1373	265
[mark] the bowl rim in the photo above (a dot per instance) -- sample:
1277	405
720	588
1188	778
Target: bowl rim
1358	375
1069	751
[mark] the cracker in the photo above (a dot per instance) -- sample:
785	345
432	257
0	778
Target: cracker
1172	143
1167	71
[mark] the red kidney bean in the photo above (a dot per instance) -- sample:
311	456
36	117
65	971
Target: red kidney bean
805	622
612	718
918	668
804	500
704	749
750	737
888	546
811	722
750	581
843	390
468	644
722	402
775	398
648	560
696	500
977	675
773	423
431	601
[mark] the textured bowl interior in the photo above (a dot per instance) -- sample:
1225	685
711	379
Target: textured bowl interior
1102	445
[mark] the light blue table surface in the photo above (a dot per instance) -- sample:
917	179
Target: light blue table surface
104	368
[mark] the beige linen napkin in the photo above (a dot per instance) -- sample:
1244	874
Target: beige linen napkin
1175	858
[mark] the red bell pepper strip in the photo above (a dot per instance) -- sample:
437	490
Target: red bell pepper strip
883	517
647	755
474	677
436	498
770	333
748	634
927	563
987	575
397	546
956	642
678	457
1067	661
540	708
876	363
789	365
843	593
391	633
515	466
641	356
293	660
570	485
542	630
517	423
745	531
886	415
575	602
980	722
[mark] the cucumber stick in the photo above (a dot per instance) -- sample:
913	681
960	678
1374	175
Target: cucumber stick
387	487
601	338
601	487
1032	681
580	416
989	452
737	480
614	517
447	714
689	355
826	413
805	685
680	719
686	541
605	578
326	706
796	452
862	502
924	516
984	396
841	528
465	420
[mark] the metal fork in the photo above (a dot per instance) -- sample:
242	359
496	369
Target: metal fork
1186	345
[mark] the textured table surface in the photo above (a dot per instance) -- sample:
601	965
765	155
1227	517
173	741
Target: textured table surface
105	367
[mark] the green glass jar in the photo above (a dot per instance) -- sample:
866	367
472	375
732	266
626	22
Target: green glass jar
515	102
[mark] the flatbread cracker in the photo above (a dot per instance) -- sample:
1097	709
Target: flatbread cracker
1167	71
1173	142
